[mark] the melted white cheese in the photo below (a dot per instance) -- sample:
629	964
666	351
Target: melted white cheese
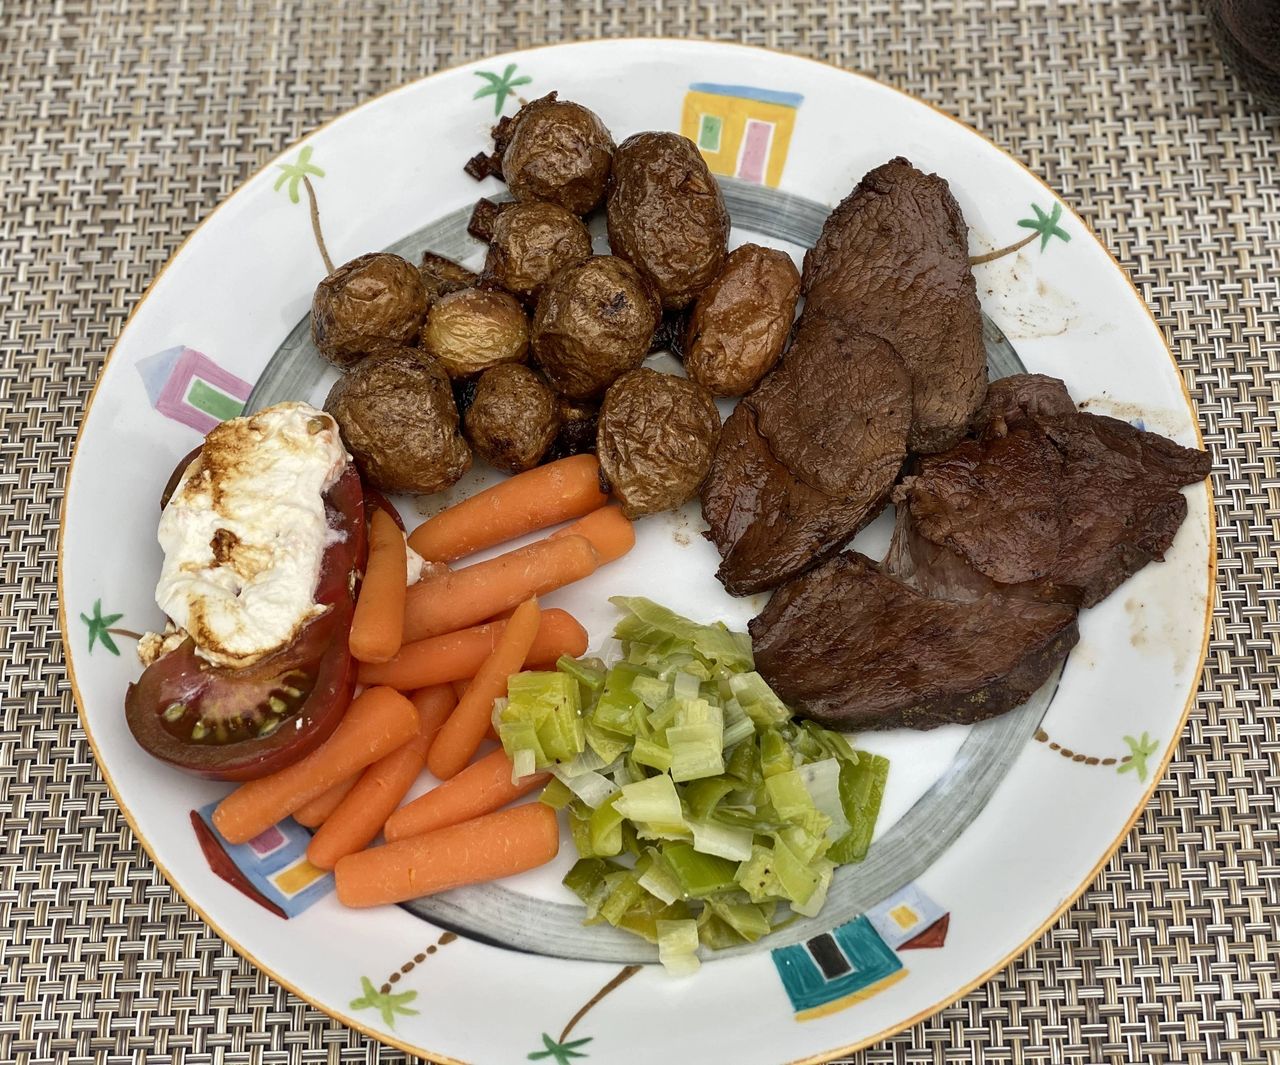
245	533
414	564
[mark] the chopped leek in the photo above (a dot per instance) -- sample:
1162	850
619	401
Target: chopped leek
678	946
701	813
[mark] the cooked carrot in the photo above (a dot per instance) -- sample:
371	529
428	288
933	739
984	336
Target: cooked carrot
543	496
469	595
460	687
609	530
434	702
378	722
468	723
314	813
361	815
481	788
377	627
496	845
457	655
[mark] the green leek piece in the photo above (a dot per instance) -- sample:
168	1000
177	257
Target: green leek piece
744	766
861	791
678	946
605	828
703	796
550	702
624	893
651	691
723	840
796	881
699	875
756	875
748	920
647	622
758	700
606	743
587	880
653	801
651	753
556	795
716	933
658	878
589	672
580	828
775	755
643	917
818	899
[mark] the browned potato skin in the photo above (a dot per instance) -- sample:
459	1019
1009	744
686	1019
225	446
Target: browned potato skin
472	329
666	215
513	418
398	420
655	440
375	301
593	324
531	242
558	151
741	322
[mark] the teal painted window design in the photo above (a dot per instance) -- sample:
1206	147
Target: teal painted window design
709	133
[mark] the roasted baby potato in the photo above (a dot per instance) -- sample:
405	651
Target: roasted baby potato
593	323
473	329
531	241
666	215
398	420
741	321
442	276
557	151
512	419
655	440
377	300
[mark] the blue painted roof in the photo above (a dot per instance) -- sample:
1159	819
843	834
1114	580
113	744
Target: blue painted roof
749	92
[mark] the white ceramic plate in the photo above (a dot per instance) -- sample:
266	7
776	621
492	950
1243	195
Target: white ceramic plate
986	834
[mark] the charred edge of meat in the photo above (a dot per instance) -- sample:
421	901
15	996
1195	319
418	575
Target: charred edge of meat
483	165
464	394
483	216
669	336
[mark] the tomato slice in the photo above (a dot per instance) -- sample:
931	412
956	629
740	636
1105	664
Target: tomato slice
238	724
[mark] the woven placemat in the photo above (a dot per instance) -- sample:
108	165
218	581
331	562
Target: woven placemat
123	125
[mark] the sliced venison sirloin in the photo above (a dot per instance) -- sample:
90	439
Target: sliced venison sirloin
809	457
893	257
852	648
1047	502
887	358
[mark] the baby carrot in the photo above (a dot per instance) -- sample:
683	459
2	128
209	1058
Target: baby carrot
378	722
360	816
543	496
610	531
434	703
467	725
460	687
471	594
313	814
377	628
496	845
481	788
457	655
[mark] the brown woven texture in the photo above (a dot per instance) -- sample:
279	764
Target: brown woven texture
123	125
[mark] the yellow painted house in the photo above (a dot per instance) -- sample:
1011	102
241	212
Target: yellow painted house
742	131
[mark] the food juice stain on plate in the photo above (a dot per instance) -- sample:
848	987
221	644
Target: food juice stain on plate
1024	305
